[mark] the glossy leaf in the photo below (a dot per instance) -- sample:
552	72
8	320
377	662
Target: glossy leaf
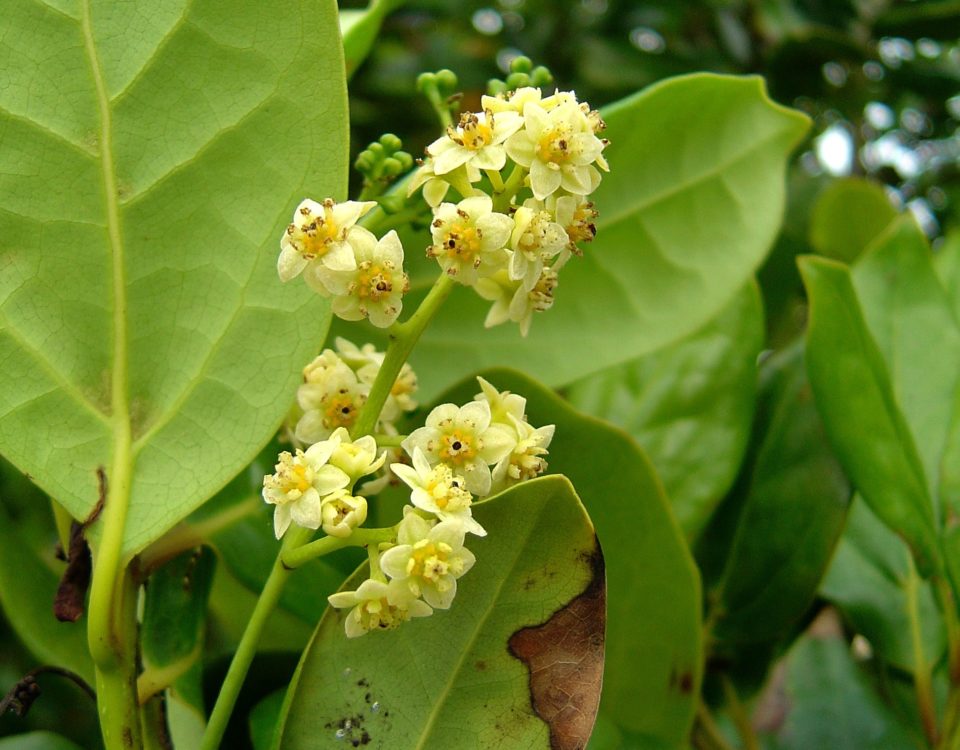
704	146
909	316
867	581
153	155
689	405
791	519
831	703
847	216
947	264
539	561
653	599
855	397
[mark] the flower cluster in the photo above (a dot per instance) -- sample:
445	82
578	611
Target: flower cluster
312	488
452	456
508	237
362	275
336	385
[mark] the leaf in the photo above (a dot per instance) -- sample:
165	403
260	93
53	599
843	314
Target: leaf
37	741
152	155
174	615
708	146
946	262
867	581
689	405
452	680
653	588
791	519
909	316
855	398
28	582
359	29
832	704
264	718
847	216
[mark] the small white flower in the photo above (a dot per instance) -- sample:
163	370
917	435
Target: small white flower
577	216
559	148
429	559
477	141
299	484
341	513
536	238
377	605
317	236
512	302
463	439
435	187
439	491
503	404
331	398
526	460
325	367
469	238
374	287
512	102
356	458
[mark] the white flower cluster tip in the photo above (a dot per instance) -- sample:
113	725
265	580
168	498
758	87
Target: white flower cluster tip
544	156
362	275
452	456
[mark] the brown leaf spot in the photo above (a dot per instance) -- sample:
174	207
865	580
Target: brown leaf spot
68	603
564	656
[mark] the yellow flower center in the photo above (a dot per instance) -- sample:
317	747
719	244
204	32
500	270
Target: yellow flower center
555	146
379	614
340	411
456	448
429	560
462	241
312	238
581	227
374	281
474	135
294	478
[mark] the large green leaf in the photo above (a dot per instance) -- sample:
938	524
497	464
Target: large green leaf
37	741
869	581
947	264
653	597
831	703
451	680
856	399
359	29
150	155
690	208
791	519
689	405
909	315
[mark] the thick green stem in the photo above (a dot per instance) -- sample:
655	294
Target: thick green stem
116	679
247	648
389	441
403	337
359	538
707	735
948	605
923	682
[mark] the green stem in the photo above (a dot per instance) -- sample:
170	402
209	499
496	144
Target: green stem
739	715
923	683
496	181
944	593
247	648
116	681
389	441
502	197
359	538
403	337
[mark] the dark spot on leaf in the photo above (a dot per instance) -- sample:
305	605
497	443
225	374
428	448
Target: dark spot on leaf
481	665
529	584
564	657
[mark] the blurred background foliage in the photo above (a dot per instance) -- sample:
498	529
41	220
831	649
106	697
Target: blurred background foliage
879	78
